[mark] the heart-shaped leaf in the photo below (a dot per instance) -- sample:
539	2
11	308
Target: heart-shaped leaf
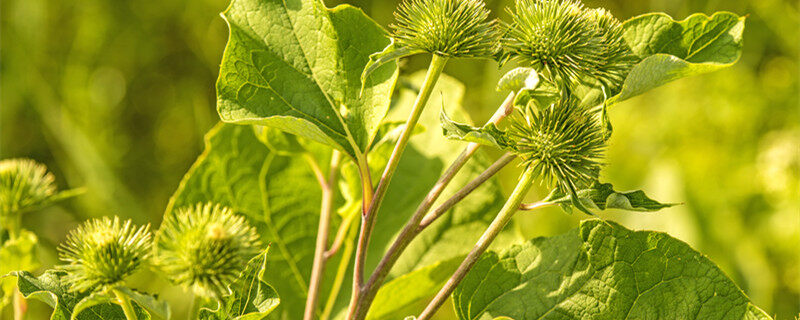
601	271
296	65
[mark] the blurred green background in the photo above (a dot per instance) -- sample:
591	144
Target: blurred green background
116	95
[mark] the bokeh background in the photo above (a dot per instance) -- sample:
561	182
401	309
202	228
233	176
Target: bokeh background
116	95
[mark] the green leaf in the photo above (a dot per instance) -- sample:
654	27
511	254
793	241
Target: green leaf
518	79
279	195
94	299
158	308
50	289
251	298
530	88
672	49
488	135
16	254
278	141
601	271
388	54
296	65
602	196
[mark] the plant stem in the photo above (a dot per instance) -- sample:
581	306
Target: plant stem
466	190
194	308
125	302
326	206
341	272
414	228
14	226
370	212
20	305
503	217
411	229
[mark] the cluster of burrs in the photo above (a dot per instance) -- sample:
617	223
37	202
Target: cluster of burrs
562	39
569	43
565	42
203	247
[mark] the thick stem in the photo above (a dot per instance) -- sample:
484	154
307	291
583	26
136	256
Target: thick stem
503	217
127	308
326	207
194	308
370	212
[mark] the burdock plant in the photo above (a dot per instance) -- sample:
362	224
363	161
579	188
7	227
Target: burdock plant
204	248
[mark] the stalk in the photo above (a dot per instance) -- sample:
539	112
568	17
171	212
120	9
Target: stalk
503	217
415	226
14	227
127	308
20	305
370	212
328	189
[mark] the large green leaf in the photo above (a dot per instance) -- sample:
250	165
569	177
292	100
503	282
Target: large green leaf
250	299
601	271
50	289
672	49
296	66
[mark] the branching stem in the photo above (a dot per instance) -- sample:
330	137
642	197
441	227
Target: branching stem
370	210
412	229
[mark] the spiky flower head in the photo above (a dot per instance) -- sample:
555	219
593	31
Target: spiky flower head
449	28
565	40
204	247
619	58
101	253
562	142
24	184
